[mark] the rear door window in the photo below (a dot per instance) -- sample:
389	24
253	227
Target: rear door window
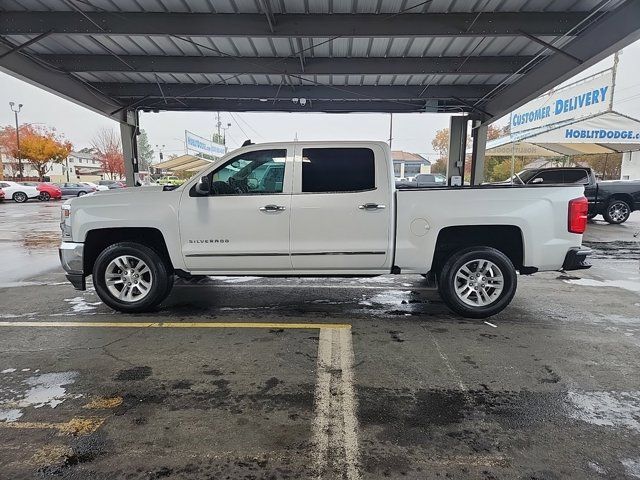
326	170
576	176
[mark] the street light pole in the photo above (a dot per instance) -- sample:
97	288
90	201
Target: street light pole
16	111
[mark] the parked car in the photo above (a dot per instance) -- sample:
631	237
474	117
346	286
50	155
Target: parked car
99	188
111	184
613	199
1	194
17	192
423	180
76	189
47	190
170	180
336	212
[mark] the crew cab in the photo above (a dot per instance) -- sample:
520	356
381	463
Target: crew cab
320	209
613	199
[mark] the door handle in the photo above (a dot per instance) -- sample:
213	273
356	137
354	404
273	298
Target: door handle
272	208
372	206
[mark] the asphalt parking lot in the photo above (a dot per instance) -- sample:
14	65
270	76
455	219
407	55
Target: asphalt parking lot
317	378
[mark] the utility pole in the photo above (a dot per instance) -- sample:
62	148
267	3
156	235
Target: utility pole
16	111
390	129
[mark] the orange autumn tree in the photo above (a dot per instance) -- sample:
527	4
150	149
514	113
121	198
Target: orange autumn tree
40	147
109	148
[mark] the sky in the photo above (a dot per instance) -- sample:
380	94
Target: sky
411	132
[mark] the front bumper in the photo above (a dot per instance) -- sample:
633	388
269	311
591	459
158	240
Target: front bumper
576	259
72	260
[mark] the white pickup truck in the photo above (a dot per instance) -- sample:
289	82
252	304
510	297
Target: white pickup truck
320	209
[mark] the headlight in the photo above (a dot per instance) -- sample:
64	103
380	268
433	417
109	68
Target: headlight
65	221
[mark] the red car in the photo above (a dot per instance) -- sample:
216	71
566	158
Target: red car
47	191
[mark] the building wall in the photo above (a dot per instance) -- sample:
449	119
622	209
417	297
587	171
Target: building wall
630	166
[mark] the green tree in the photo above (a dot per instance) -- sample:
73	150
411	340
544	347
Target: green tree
145	152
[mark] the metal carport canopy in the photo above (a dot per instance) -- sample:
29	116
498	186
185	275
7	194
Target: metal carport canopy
482	57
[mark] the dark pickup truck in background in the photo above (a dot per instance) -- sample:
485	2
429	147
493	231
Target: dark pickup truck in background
613	199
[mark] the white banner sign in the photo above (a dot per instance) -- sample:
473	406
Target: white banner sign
575	101
607	128
202	145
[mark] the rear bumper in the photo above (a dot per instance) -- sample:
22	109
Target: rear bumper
576	259
72	260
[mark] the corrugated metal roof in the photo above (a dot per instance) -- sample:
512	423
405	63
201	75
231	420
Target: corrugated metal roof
310	6
121	48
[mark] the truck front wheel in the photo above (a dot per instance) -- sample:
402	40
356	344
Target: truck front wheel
477	282
131	277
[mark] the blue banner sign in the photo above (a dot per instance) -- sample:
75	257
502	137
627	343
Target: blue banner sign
202	145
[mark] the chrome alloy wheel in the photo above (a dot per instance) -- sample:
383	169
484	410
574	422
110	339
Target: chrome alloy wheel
618	211
128	278
479	283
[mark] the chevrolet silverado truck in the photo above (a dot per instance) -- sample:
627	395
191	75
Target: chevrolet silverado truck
613	199
320	209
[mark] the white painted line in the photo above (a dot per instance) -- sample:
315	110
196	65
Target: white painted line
349	404
452	370
491	324
335	426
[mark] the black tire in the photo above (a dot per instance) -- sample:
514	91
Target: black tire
20	197
161	277
44	196
80	194
616	212
447	282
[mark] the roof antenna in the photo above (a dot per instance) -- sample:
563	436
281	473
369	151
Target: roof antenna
247	143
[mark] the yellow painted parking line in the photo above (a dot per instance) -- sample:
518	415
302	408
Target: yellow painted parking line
75	426
272	325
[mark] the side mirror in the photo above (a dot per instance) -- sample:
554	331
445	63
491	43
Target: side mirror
203	187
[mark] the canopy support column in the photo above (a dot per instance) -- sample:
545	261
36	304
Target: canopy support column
129	133
479	145
457	147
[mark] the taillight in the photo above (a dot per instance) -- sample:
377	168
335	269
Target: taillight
578	209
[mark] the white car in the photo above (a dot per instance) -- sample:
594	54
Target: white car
99	188
17	192
321	209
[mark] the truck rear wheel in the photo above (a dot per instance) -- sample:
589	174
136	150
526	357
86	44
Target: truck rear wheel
477	282
131	277
617	211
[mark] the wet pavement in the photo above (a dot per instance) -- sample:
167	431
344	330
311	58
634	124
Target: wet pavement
372	373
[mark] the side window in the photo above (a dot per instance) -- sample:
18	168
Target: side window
251	173
337	170
576	176
547	176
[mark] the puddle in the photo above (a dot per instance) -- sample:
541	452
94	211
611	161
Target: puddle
588	282
612	409
47	389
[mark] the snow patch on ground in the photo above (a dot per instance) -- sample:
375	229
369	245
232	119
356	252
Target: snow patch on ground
632	466
79	304
47	389
612	409
624	284
234	279
8	370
